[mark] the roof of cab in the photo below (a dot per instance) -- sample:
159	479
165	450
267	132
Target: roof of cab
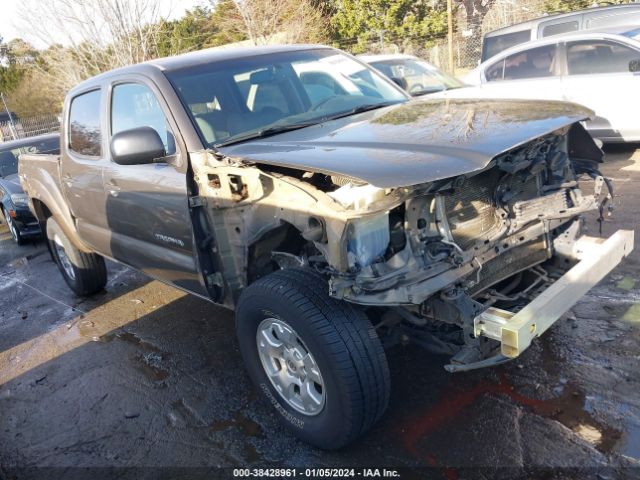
192	59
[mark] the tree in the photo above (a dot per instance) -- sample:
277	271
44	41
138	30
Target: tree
15	58
357	23
35	95
475	11
191	32
230	28
290	21
100	34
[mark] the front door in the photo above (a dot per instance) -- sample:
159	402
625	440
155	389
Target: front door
598	77
147	205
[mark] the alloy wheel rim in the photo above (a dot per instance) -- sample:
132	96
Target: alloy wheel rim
290	367
12	227
64	259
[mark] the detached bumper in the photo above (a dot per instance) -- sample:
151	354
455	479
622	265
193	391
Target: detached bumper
515	331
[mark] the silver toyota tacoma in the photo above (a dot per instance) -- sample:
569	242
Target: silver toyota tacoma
336	215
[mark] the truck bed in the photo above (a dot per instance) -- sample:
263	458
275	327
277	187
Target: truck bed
38	167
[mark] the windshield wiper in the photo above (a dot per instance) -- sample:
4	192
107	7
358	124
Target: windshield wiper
276	129
360	109
266	132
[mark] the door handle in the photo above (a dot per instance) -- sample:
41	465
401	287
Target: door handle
112	188
66	178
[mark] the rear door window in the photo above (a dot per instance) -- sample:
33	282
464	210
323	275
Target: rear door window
614	19
559	28
535	63
590	57
85	136
494	45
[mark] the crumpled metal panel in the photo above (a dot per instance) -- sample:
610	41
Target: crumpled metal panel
416	142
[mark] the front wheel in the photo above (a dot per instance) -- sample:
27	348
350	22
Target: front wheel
317	360
84	273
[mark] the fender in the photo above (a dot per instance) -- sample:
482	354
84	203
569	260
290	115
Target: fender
45	197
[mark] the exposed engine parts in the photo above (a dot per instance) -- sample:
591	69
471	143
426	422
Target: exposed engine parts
438	253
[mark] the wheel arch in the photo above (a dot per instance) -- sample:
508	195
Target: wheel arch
45	210
284	237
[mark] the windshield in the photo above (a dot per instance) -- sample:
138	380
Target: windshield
238	99
9	156
635	34
417	77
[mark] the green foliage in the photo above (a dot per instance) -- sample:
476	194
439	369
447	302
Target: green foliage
15	57
35	95
561	6
185	34
201	27
358	22
27	90
9	78
229	29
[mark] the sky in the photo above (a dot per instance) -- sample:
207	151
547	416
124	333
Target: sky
9	9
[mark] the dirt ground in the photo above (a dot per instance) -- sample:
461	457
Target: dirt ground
146	376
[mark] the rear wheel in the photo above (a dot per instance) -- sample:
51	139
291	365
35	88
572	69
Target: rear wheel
85	273
13	228
317	360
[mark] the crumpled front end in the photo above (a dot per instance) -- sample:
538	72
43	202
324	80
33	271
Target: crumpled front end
438	262
458	251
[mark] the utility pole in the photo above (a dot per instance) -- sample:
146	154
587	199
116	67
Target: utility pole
12	126
450	34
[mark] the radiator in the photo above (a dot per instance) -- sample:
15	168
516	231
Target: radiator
471	210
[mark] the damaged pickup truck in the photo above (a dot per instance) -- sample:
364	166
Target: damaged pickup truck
334	214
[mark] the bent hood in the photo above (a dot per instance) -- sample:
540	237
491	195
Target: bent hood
416	142
11	184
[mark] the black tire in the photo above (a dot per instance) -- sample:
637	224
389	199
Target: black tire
13	228
341	339
85	273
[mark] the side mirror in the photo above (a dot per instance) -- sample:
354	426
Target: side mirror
137	146
634	65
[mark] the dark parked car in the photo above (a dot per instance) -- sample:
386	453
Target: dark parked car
13	201
8	117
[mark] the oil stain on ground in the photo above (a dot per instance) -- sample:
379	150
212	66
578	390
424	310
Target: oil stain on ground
151	363
568	408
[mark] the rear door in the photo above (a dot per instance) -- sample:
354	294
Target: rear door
598	77
147	205
82	166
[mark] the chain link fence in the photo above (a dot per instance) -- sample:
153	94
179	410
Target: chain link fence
28	127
